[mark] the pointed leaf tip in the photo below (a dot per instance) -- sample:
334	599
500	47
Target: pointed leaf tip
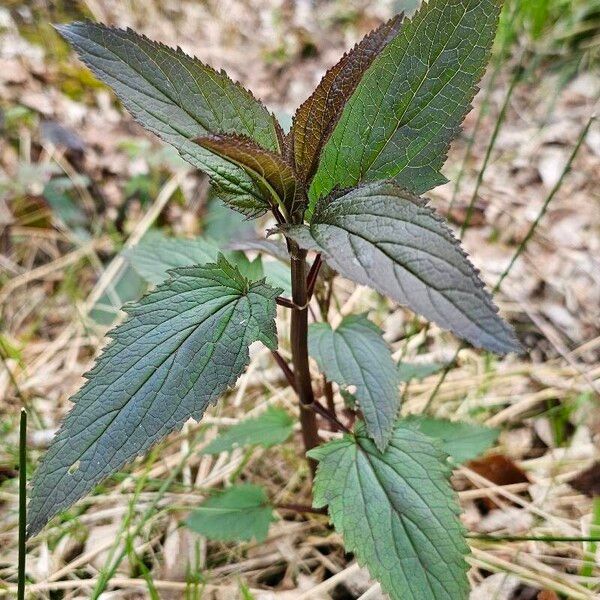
179	98
410	103
317	116
384	237
180	348
396	512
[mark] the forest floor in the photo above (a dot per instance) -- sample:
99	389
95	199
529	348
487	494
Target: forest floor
79	180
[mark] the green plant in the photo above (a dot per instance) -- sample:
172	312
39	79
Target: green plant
344	183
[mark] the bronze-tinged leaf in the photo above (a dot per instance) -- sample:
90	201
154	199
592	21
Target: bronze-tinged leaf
588	482
499	469
547	595
268	169
316	118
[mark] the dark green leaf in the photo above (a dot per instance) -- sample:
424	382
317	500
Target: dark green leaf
396	512
272	427
410	103
181	347
410	371
355	354
241	513
316	118
268	169
461	441
384	237
179	99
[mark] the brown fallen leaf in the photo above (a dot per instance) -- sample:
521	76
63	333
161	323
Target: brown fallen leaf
547	595
499	469
588	482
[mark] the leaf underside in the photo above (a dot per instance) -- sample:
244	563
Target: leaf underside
241	513
461	441
270	428
269	170
355	354
317	116
397	512
180	348
409	105
384	237
179	98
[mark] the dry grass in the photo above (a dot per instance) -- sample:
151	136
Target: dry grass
545	402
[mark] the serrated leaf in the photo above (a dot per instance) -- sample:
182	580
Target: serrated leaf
382	236
355	354
396	512
410	371
157	254
461	441
179	98
272	427
410	103
241	513
317	116
268	170
180	348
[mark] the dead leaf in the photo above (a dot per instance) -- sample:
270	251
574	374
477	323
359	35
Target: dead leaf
588	482
547	595
499	469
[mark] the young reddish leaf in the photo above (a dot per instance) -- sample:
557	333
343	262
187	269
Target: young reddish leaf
316	118
268	169
179	98
411	102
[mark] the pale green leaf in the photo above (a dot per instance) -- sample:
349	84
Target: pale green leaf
270	428
355	354
157	254
241	513
396	512
181	347
461	441
410	371
382	236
